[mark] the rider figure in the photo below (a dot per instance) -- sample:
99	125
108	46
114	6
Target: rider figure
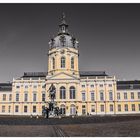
52	91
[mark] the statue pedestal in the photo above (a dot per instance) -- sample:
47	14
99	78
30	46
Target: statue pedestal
51	114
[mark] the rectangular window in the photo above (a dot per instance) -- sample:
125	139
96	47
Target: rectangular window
17	86
4	97
139	107
34	109
26	97
110	85
92	86
83	86
9	108
34	97
63	62
102	108
25	109
110	96
17	96
16	108
43	86
111	108
43	96
118	96
3	109
132	95
138	95
125	95
92	108
101	96
26	86
126	107
92	96
83	97
101	85
133	107
35	86
10	97
119	108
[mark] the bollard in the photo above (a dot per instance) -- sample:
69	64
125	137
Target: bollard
31	116
72	116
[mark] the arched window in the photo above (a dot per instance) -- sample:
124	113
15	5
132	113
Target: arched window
62	92
72	63
63	61
72	110
72	92
53	63
62	109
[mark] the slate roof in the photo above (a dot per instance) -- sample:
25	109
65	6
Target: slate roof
34	74
5	86
128	85
92	73
82	73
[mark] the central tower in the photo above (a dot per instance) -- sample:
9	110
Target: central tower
63	52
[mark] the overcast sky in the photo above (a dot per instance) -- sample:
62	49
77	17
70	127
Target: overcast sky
108	35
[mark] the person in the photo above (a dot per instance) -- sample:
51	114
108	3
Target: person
76	112
47	113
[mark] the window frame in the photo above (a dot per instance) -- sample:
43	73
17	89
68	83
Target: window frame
16	108
53	63
110	95
63	62
4	97
72	92
102	108
62	92
34	109
83	96
101	97
17	97
125	95
126	107
92	95
25	109
72	62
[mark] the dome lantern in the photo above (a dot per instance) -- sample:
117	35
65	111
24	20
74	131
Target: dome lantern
63	26
63	38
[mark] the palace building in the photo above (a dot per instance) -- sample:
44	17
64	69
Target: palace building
77	92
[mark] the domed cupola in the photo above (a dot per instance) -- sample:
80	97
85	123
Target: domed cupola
63	53
63	38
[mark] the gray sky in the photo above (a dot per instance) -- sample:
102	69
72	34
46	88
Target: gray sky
108	35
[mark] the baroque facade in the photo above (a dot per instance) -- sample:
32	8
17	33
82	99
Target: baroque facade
77	92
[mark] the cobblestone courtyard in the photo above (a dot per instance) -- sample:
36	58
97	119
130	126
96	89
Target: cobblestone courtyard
93	126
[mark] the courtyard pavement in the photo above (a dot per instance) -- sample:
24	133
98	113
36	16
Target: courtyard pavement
86	126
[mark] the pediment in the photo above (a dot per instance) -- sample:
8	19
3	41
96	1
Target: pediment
64	76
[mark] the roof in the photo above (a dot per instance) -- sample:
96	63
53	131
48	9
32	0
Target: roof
82	74
5	86
34	74
128	85
92	73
